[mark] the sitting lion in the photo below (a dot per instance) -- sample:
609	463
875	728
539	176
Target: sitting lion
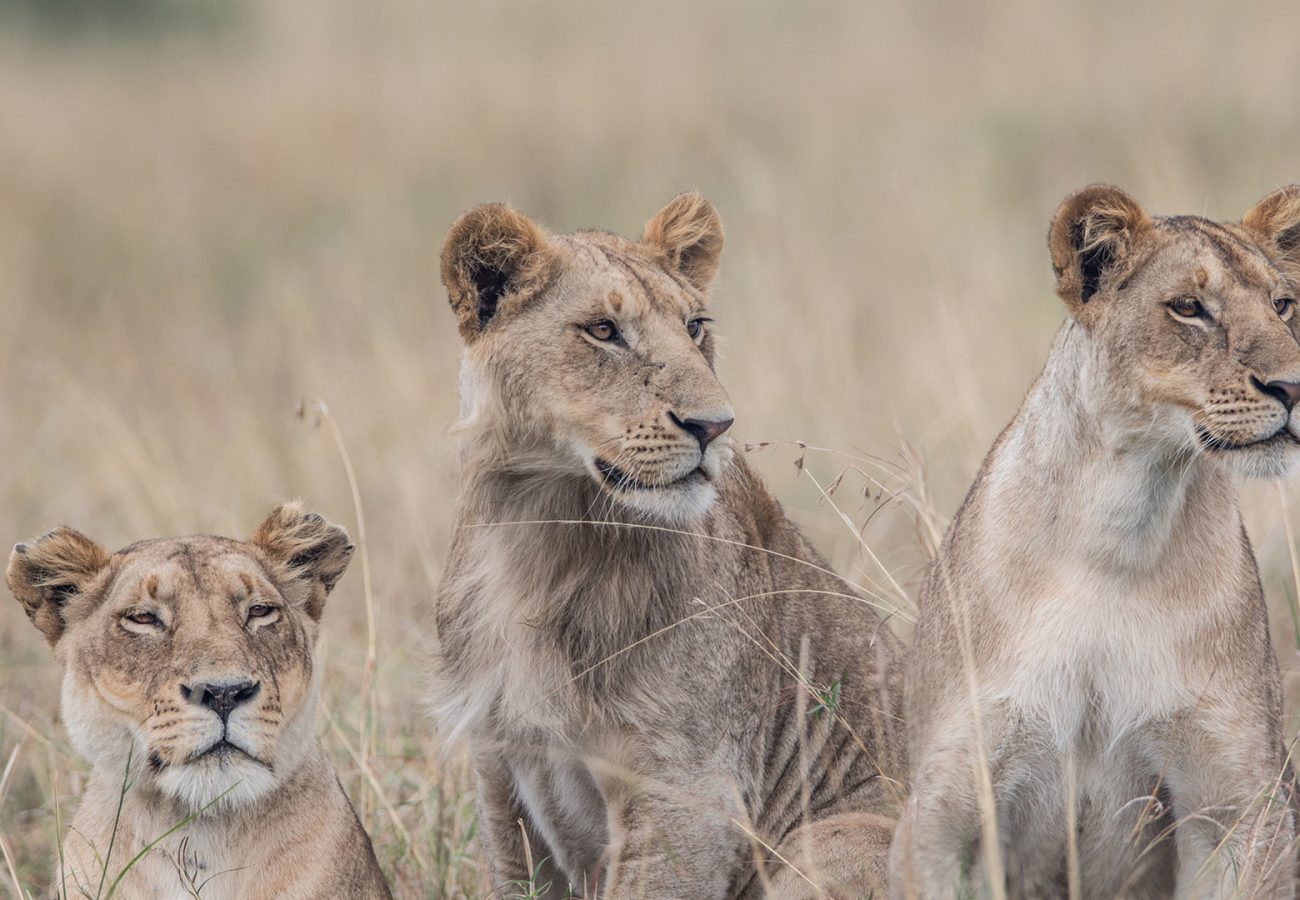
189	684
666	691
1094	706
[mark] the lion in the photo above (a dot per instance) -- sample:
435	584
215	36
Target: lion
665	690
189	685
1093	700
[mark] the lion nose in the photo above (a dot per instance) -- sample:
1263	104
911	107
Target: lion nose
703	430
220	698
1287	392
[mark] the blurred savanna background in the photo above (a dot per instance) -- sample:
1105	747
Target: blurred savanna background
219	223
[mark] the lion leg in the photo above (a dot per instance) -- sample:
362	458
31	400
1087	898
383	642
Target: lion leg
500	816
845	855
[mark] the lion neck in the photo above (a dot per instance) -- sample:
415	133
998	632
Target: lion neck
1087	472
594	565
543	556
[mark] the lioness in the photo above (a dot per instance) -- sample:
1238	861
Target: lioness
660	679
189	684
1093	698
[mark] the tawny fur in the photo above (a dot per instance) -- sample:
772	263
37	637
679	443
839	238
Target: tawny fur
268	819
1093	637
635	665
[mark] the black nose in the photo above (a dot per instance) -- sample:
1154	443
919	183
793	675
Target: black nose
1288	392
703	430
220	698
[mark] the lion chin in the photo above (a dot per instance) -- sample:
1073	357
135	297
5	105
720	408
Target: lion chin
1271	456
219	779
685	499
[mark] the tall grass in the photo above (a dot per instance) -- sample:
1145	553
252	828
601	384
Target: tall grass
199	228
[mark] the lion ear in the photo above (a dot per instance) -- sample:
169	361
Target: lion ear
687	234
494	259
308	555
50	575
1276	220
1091	234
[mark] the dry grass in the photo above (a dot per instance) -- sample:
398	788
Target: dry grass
200	226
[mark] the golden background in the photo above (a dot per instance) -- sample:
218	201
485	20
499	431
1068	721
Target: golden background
213	212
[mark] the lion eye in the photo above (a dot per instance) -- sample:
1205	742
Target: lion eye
603	330
695	327
1283	306
144	618
1187	307
259	611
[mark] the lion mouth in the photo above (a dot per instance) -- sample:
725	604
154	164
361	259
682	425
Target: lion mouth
222	752
1282	436
620	480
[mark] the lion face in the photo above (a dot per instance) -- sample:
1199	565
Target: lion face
188	662
595	352
1196	320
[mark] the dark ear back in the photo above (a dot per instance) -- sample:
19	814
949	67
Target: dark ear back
1276	221
1091	234
51	573
493	259
687	233
307	554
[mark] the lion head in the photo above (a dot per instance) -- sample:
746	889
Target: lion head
1195	320
591	354
188	661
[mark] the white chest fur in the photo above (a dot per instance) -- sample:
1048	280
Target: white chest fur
192	862
1095	654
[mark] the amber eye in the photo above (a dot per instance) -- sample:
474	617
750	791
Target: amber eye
603	330
259	611
1283	306
144	618
695	327
1187	307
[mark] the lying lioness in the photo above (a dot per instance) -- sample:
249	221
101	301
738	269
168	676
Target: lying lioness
664	687
1093	701
189	684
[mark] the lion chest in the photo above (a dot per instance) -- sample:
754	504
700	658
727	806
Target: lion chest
178	868
1094	655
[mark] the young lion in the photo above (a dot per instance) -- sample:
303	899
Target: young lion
1093	701
189	684
658	676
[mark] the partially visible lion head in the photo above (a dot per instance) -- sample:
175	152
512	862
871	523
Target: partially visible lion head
591	354
1195	320
190	657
